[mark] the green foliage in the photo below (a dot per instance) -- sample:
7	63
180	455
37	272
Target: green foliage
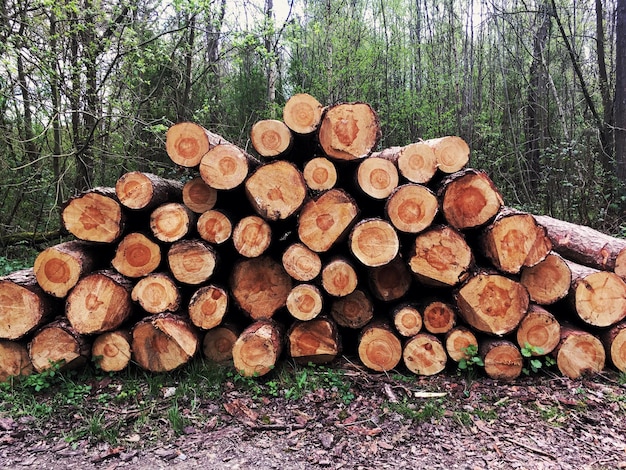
472	360
8	266
535	361
431	409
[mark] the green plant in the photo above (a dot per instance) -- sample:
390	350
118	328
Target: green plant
430	409
44	379
471	359
534	359
176	418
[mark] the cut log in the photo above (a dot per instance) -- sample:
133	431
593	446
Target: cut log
377	177
305	302
59	267
407	319
271	138
302	113
441	257
320	174
469	199
142	191
452	153
172	221
323	221
503	360
457	342
614	341
258	348
224	167
548	281
391	281
438	317
539	330
316	341
586	246
416	162
353	311
94	216
214	227
411	208
579	353
301	263
23	304
157	293
599	297
208	306
163	342
136	256
58	344
187	142
515	240
492	303
100	302
379	348
276	190
339	277
192	261
260	286
111	351
14	360
374	242
252	236
199	196
217	345
349	131
424	354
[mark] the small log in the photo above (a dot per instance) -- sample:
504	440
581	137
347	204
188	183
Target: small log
548	281
14	360
353	311
391	281
271	138
111	351
260	286
208	306
452	153
225	167
441	257
192	261
305	302
407	320
492	303
214	227
157	293
186	143
320	174
540	330
379	348
411	208
438	317
136	256
416	162
171	222
374	242
100	302
163	342
339	277
57	343
315	341
424	354
457	340
218	342
377	177
142	191
301	263
503	360
258	348
614	341
94	216
579	352
199	196
252	236
302	113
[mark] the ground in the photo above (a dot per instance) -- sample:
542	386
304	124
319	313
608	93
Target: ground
339	417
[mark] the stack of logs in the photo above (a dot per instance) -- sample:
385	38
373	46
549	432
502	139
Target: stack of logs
308	243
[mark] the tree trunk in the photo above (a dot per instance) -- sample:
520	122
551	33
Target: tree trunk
424	354
252	236
579	352
192	261
186	143
452	153
316	341
374	242
94	216
411	208
619	111
320	174
539	330
214	227
225	166
305	302
416	162
136	256
111	351
218	342
457	342
302	113
271	138
407	320
301	263
614	341
548	281
391	281
199	196
58	343
378	347
14	360
377	177
157	293
503	360
258	348
144	191
208	306
353	311
171	222
339	277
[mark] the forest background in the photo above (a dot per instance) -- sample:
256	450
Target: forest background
88	89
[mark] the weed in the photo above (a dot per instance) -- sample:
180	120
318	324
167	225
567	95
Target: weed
429	410
471	359
176	418
535	359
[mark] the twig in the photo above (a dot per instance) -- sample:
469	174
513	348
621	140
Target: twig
536	450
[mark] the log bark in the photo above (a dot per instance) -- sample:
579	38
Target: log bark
57	343
320	174
579	352
305	302
457	340
208	306
136	256
503	360
377	177
316	341
302	113
258	348
407	320
614	341
111	351
438	317
540	330
94	216
424	354
374	242
199	196
391	281
252	236
548	281
163	342
271	138
157	293
14	360
301	263
171	222
214	227
218	342
143	191
339	277
186	143
192	261
378	347
353	311
225	167
452	153
416	162
412	208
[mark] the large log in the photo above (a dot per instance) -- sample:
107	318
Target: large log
157	293
94	216
579	352
301	263
548	281
271	138
172	221
377	177
457	342
214	227
302	113
225	167
353	311
424	354
539	330
192	261
305	302
452	153
316	341
391	281
416	162
407	320
208	306
218	342
411	208
142	191
438	317
186	143
199	196
111	351
58	344
136	255
14	360
252	236
339	278
374	242
320	174
614	341
503	360
258	348
378	347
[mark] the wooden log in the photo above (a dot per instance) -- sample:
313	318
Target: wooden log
492	303
57	343
111	351
171	222
142	191
315	341
260	286
391	281
469	199
225	167
407	320
252	236
100	302
438	317
349	131
424	354
23	304
218	342
208	306
377	177
452	153
214	227
355	310
515	240
441	257
94	216
379	348
539	330
192	261
411	208
325	220
14	360
320	174
548	281
157	293
186	143
416	162
163	342
585	245
199	196
59	267
374	242
302	113
136	256
339	277
271	138
258	348
614	341
301	263
305	302
503	360
458	340
579	352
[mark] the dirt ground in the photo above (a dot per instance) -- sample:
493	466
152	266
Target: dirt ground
381	421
